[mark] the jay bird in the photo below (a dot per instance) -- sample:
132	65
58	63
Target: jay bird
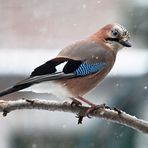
79	67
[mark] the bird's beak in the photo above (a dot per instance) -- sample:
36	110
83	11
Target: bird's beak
125	43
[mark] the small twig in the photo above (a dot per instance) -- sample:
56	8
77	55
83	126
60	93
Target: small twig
108	114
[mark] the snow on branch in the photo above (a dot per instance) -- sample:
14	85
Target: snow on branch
108	114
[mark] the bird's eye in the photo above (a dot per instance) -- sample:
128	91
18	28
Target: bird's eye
115	33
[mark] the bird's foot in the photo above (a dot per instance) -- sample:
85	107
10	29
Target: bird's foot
85	101
94	108
92	104
75	102
89	111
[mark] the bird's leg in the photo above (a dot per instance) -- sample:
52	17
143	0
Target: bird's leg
86	101
93	107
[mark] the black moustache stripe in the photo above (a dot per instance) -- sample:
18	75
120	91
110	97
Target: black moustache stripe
113	39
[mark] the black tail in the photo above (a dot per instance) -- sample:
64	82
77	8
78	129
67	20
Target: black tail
13	89
34	80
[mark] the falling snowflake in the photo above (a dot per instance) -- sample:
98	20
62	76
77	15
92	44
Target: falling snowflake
84	6
98	2
117	84
74	25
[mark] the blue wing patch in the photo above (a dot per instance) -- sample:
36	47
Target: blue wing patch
85	69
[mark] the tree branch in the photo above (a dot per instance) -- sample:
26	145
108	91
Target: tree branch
108	114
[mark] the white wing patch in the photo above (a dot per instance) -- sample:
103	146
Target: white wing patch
60	67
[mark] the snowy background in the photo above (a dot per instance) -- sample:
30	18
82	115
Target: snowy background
34	31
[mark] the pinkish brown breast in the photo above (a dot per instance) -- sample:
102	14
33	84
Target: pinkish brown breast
80	86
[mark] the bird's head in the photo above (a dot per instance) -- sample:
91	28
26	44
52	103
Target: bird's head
115	36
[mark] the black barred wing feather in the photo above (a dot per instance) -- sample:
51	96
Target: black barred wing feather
86	69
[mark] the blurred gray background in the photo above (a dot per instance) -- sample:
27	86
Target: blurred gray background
34	31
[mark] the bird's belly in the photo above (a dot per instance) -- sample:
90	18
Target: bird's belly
82	85
51	88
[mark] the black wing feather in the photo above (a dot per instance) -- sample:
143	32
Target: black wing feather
13	89
46	72
71	66
50	66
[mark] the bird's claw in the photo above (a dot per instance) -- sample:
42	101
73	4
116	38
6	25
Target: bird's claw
94	108
89	111
88	116
75	102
